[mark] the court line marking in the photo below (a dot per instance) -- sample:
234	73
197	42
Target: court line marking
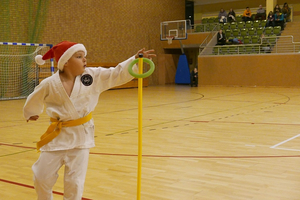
198	157
32	187
285	141
287	149
176	156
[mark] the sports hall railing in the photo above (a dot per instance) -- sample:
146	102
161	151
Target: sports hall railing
269	44
286	44
208	40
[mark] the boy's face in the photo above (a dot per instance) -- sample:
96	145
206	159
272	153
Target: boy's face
76	64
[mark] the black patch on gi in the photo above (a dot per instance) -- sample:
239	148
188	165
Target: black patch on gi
87	80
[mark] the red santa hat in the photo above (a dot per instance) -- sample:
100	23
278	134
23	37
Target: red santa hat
62	52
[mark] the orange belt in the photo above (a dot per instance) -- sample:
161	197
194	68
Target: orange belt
55	128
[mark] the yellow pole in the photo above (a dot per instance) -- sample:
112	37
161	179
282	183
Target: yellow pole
140	124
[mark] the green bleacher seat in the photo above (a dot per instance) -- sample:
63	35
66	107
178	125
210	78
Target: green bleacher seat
216	50
221	25
228	33
236	32
272	39
213	27
256	24
233	25
211	20
244	31
241	24
241	49
277	30
255	39
204	20
233	49
249	49
263	23
199	28
265	41
249	24
259	31
256	49
216	20
239	18
252	31
269	30
247	39
226	26
224	50
206	27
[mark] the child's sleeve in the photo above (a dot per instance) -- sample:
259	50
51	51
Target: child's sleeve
115	76
34	104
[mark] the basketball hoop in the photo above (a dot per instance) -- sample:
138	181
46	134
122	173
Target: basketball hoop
170	38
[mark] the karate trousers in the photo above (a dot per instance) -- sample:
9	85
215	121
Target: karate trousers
46	169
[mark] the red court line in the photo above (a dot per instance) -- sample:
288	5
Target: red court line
199	157
24	185
13	145
176	156
31	187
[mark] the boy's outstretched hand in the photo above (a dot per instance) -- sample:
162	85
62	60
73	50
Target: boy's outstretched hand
146	54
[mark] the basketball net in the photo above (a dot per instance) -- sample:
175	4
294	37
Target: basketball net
170	38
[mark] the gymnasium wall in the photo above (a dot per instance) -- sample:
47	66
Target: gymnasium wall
22	21
250	70
111	30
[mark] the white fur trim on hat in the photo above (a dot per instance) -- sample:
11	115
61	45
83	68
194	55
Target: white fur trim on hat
39	60
69	53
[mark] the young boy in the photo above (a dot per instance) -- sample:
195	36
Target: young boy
70	96
247	15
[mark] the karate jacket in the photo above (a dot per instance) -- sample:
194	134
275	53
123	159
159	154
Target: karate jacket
83	100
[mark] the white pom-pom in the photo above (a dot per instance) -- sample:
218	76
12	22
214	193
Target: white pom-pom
39	60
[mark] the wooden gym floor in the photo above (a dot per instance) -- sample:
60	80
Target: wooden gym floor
205	143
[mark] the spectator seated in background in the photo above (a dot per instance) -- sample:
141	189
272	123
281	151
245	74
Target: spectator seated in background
231	16
221	38
265	48
247	15
222	16
270	19
277	7
286	11
235	41
261	13
279	19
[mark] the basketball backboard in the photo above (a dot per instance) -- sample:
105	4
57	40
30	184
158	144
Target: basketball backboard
176	29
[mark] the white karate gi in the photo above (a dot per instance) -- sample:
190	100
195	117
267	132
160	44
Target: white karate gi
74	140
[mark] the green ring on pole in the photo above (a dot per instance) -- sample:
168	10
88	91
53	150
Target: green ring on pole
144	75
